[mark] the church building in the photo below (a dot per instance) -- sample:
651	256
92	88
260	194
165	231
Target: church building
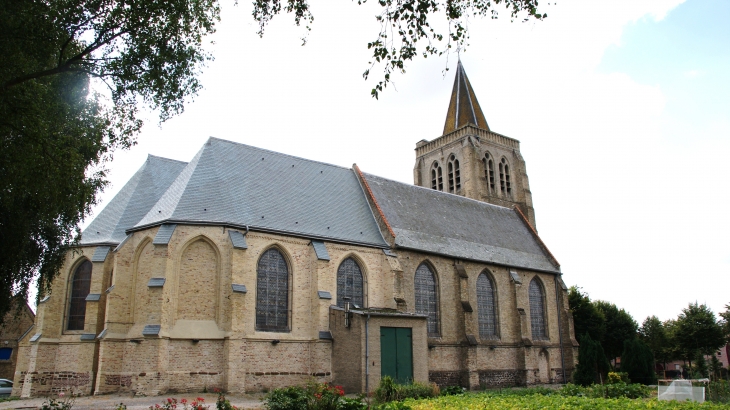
247	270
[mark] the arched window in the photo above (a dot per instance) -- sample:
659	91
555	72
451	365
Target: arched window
489	171
504	178
486	297
272	292
427	302
437	179
80	287
454	174
349	283
537	311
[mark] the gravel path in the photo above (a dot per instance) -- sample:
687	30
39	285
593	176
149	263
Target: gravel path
110	401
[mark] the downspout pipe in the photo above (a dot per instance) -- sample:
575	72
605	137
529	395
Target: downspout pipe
367	356
560	328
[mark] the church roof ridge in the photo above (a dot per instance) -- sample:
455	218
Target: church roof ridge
152	156
437	192
464	107
252	147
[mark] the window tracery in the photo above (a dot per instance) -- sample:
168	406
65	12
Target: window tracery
272	292
80	288
350	283
427	298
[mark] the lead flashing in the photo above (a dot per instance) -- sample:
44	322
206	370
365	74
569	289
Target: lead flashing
238	288
156	283
151	330
93	297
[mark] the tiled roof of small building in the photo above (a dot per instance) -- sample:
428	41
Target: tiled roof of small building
233	184
132	202
436	222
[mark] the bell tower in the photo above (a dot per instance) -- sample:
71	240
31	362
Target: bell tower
470	160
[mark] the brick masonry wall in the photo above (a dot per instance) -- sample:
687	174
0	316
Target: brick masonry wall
196	302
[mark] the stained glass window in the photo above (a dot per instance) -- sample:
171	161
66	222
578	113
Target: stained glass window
427	298
486	307
272	292
537	311
80	287
349	283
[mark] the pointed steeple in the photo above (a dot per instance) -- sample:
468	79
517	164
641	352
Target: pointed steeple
464	107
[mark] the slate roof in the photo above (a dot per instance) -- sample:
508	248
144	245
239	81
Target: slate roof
233	184
132	202
437	222
463	107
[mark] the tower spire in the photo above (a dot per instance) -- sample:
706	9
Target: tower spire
463	108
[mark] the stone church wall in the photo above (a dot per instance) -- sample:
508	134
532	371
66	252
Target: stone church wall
208	336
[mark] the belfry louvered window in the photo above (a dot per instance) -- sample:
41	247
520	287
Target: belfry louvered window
489	171
486	307
538	324
454	174
349	283
272	292
437	179
504	177
427	301
80	287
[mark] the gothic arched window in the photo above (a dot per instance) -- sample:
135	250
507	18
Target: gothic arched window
427	301
489	171
80	287
437	179
272	292
454	174
504	178
349	283
486	307
537	311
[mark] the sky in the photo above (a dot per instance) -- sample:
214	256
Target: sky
622	108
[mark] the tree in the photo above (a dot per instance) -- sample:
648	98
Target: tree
653	334
403	24
587	318
698	331
725	321
620	326
637	361
57	135
592	364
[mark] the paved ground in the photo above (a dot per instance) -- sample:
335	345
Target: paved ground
111	401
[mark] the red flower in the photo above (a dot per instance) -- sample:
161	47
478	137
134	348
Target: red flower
200	399
183	401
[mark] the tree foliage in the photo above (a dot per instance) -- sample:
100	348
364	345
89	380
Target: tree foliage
653	333
406	25
57	134
587	319
697	330
620	326
637	361
592	365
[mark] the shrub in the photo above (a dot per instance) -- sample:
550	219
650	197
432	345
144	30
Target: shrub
64	402
452	390
719	391
388	390
315	396
287	398
172	403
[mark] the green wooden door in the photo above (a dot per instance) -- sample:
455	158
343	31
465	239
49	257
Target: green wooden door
396	353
